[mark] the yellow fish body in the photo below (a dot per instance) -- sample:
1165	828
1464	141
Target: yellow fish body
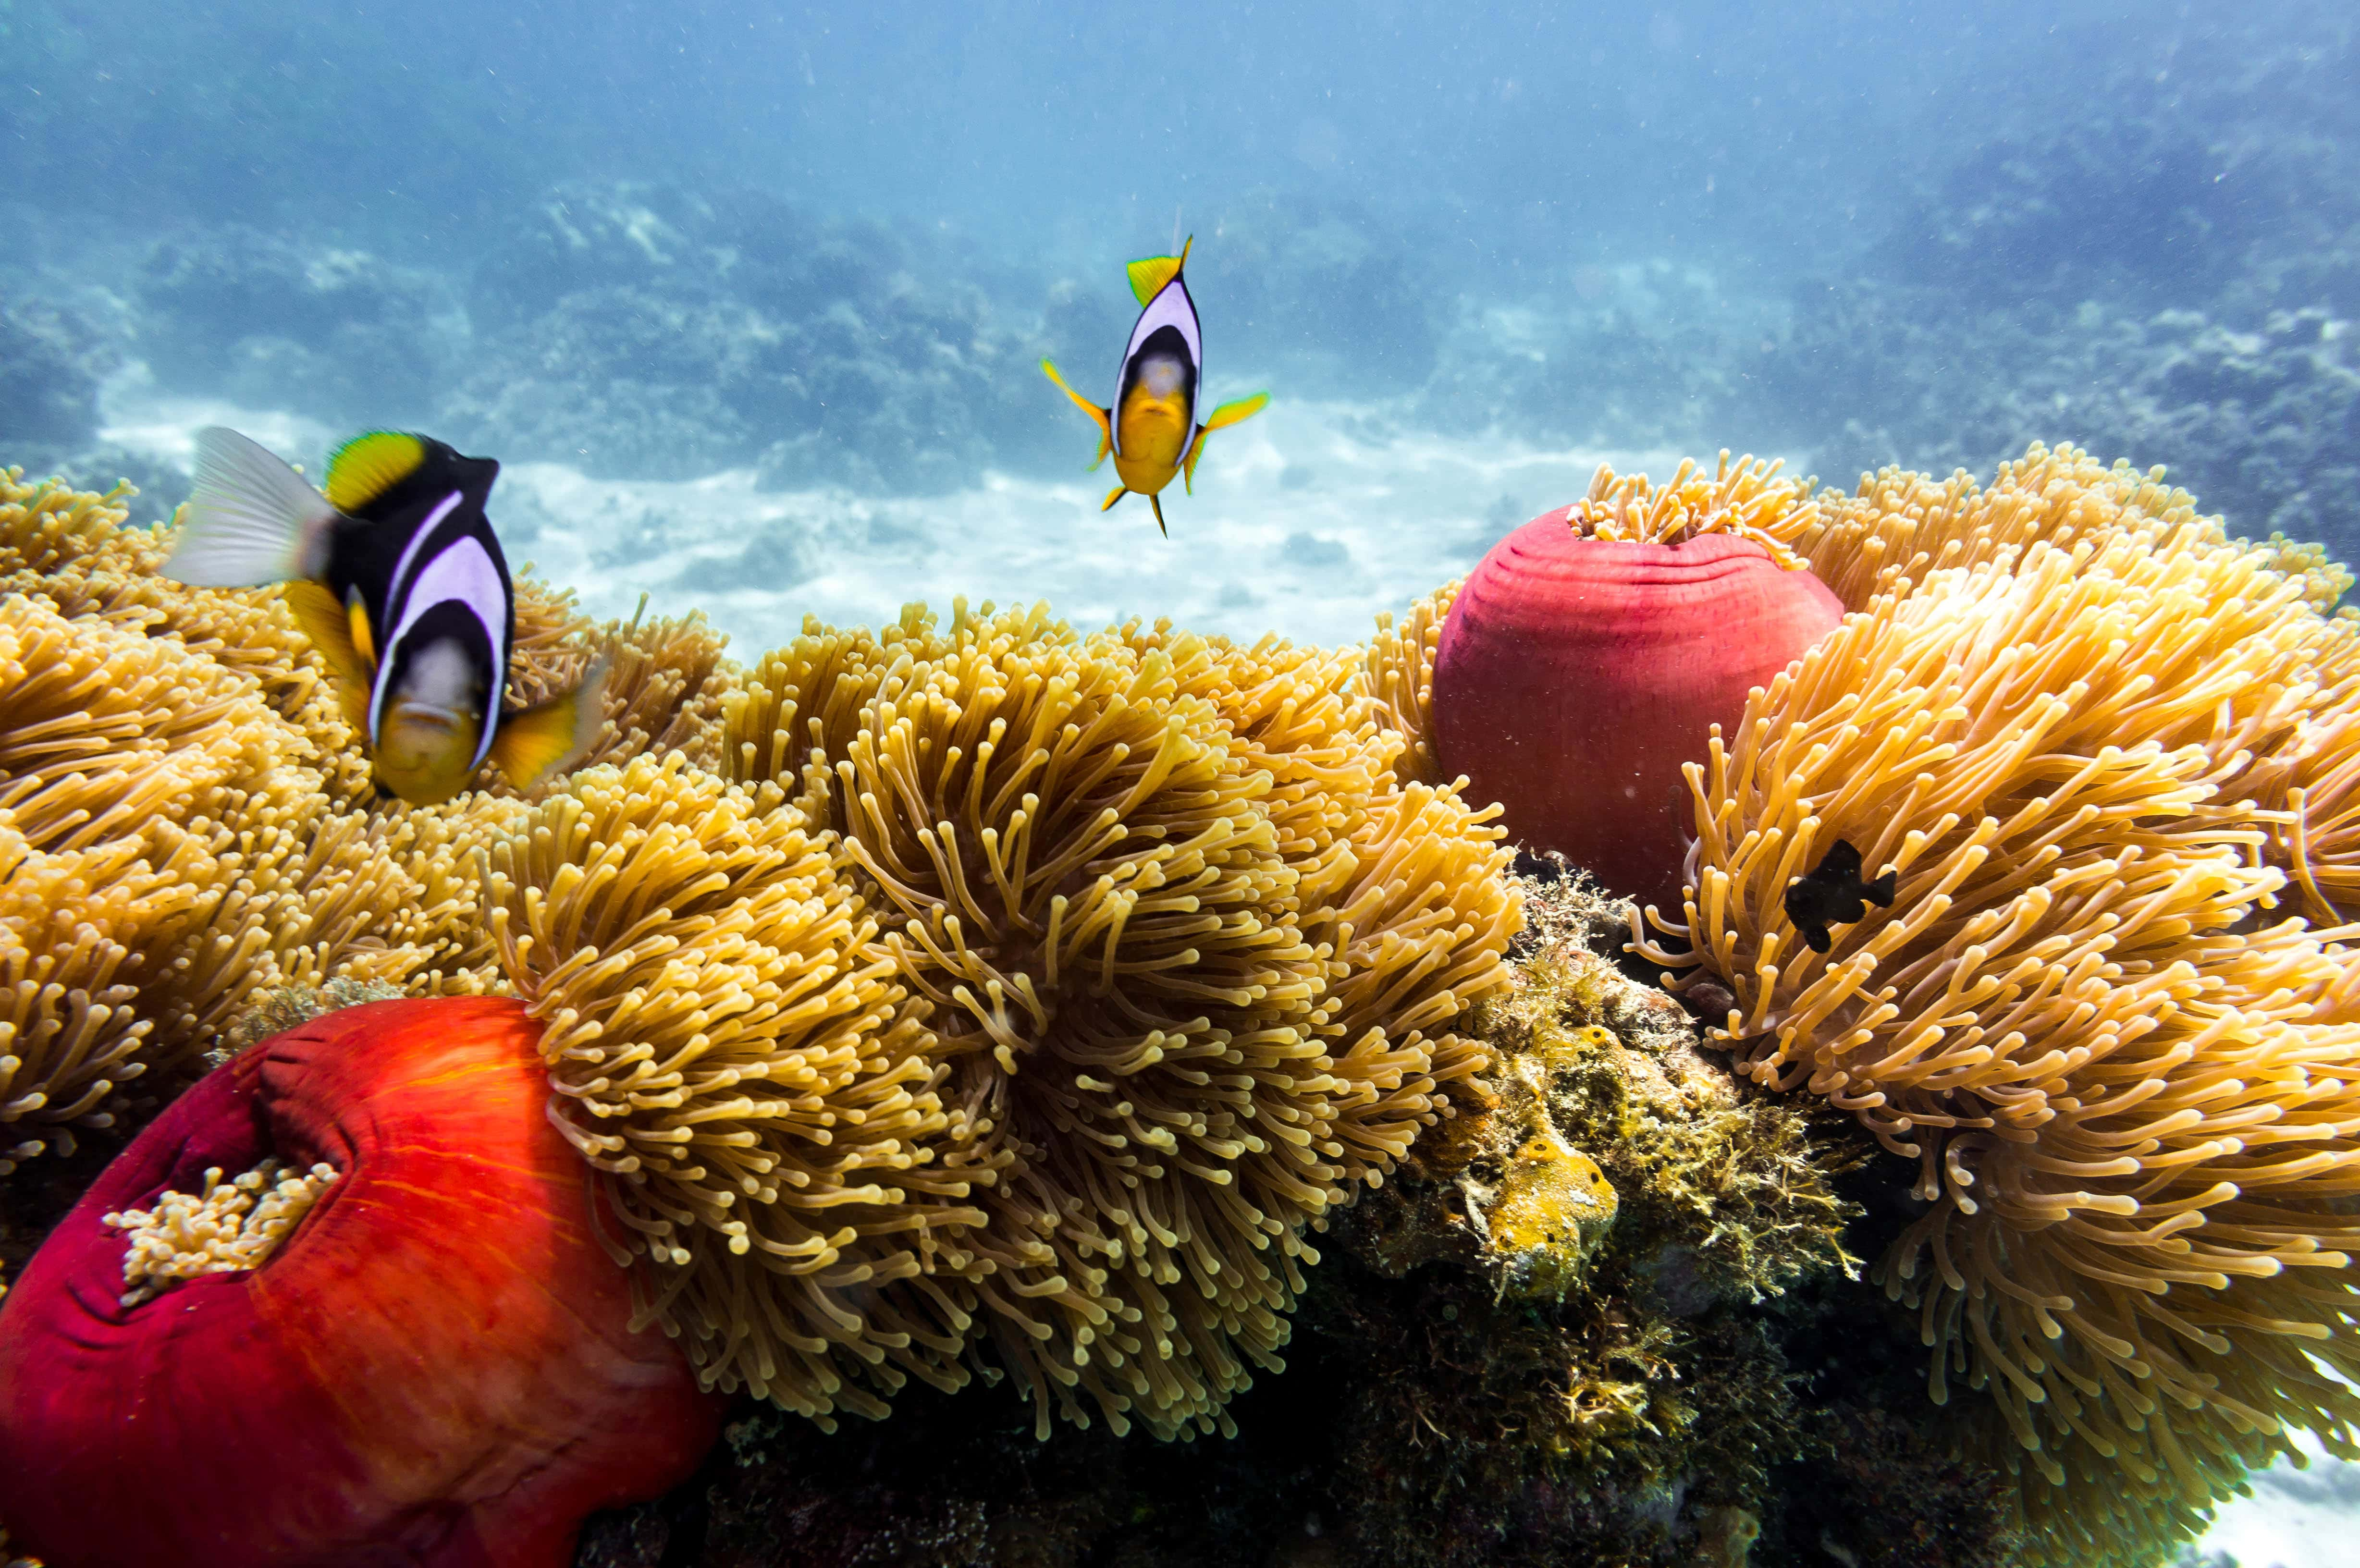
1151	431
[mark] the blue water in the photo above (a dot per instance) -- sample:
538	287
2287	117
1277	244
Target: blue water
749	297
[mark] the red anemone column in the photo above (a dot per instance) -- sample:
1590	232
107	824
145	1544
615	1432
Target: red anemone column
435	1368
1575	675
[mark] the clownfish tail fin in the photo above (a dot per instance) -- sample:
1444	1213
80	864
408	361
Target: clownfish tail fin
251	519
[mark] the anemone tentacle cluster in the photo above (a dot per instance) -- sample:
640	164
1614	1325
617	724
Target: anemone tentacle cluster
1189	957
2080	726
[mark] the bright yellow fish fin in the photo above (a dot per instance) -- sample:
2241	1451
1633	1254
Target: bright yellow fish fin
1157	501
1149	274
356	623
535	742
324	622
1228	414
369	465
1105	417
1117	494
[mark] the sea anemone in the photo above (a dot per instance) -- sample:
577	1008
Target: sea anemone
1398	665
421	1349
2132	1097
730	1051
123	936
1589	654
1190	955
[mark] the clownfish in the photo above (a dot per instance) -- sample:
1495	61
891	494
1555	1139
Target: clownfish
396	577
1152	429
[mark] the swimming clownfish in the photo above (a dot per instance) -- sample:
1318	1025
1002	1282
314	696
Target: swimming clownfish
1152	429
398	579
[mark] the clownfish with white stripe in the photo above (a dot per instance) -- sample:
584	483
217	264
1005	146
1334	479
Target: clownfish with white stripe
396	577
1151	431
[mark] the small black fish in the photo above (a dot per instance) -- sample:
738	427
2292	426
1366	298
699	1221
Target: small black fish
1834	895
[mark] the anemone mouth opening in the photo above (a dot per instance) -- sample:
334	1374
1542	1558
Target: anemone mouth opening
233	1192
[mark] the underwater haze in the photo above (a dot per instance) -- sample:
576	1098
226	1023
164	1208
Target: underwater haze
750	300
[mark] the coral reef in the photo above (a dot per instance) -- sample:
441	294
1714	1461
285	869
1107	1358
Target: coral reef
186	822
2242	402
631	329
1658	1412
232	311
1619	1412
754	1081
979	999
1399	667
2294	679
2065	718
912	1039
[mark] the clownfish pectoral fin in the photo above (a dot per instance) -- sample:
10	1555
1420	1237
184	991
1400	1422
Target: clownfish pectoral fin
533	743
330	628
356	623
1117	494
1149	274
1157	503
1226	415
1104	417
1106	445
250	520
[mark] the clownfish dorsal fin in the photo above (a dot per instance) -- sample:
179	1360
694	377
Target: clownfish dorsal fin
1149	274
329	627
369	465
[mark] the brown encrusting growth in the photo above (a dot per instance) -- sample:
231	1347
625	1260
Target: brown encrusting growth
2128	1077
